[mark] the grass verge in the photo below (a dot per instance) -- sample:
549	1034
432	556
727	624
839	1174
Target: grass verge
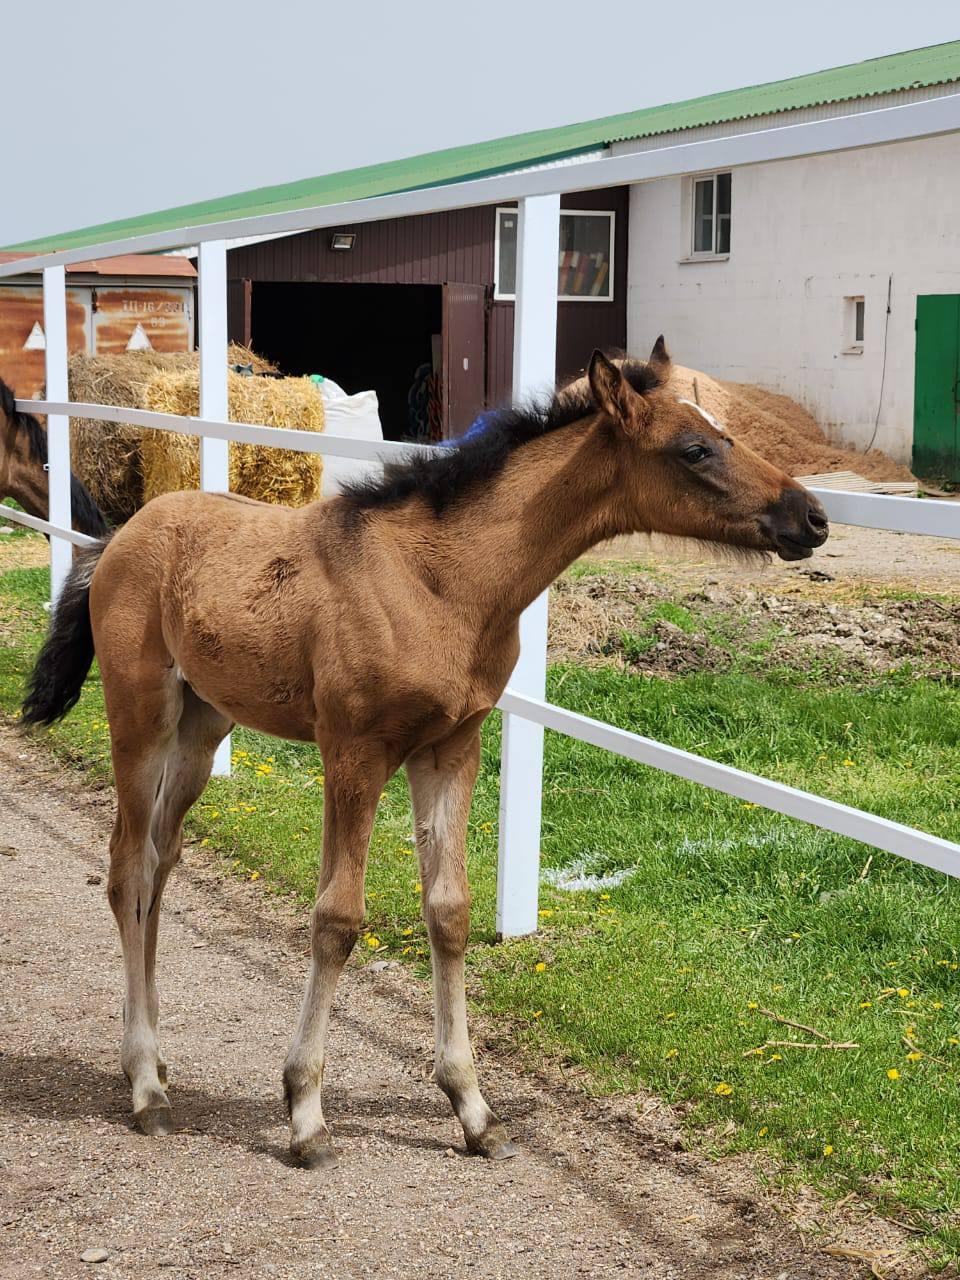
675	921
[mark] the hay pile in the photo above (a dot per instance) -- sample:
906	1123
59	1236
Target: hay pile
780	430
172	461
109	457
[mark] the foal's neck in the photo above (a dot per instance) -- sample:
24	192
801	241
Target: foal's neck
501	546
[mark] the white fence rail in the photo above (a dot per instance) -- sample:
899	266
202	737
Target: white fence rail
526	713
520	822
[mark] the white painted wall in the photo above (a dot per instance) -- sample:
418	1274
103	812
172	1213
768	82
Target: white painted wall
806	234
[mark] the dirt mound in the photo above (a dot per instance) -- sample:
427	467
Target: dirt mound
780	430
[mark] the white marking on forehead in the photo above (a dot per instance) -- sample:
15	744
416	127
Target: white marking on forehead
707	417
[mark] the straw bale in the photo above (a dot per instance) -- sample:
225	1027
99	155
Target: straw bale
106	455
172	461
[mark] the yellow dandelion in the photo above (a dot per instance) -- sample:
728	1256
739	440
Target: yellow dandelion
372	941
671	1053
254	875
849	764
776	1057
486	826
828	1150
723	1089
604	897
407	931
539	967
747	805
538	1013
671	1014
753	1004
914	1055
902	992
866	1004
762	1131
937	1004
547	911
893	1074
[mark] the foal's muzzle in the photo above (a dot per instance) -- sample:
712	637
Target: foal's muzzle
795	524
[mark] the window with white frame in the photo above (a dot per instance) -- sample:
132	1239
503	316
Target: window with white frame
855	318
584	255
711	214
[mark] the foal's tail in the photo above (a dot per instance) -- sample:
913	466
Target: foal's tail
67	654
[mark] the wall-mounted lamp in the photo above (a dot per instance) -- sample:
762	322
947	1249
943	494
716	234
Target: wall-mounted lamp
343	240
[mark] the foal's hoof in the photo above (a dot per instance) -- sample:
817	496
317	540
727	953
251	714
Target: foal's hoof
317	1152
155	1122
494	1144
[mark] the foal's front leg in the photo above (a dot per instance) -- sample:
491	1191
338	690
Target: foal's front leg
354	779
441	786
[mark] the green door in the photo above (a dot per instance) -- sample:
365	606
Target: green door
936	397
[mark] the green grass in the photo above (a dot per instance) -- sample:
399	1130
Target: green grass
11	530
703	911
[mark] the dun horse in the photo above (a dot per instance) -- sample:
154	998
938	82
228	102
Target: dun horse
23	469
381	625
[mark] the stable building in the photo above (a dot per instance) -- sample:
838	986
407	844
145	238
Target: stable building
833	278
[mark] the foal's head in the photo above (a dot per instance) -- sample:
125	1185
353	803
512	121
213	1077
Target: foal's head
682	474
23	469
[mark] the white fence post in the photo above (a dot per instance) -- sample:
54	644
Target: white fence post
58	424
521	771
214	402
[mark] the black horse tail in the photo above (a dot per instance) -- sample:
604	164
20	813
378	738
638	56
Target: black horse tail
67	654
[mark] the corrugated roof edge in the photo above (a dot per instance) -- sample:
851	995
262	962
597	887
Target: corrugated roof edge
867	79
925	67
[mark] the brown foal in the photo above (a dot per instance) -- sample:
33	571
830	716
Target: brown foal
23	469
383	625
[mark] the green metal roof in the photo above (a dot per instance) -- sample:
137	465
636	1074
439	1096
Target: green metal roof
915	68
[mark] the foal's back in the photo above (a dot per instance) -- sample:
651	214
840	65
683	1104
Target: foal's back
277	617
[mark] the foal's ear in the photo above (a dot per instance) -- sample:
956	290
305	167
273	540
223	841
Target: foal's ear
613	394
660	356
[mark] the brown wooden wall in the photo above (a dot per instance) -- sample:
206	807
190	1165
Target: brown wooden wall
442	248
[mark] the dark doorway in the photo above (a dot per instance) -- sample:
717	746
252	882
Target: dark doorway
363	336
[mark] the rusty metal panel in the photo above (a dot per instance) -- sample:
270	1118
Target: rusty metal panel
131	318
21	307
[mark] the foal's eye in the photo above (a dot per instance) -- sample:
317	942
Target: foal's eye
696	453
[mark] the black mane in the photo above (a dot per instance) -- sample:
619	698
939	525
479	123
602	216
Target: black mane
87	517
444	476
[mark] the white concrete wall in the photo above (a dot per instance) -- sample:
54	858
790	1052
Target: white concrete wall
806	234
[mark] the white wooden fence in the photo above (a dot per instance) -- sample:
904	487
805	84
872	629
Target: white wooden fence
526	713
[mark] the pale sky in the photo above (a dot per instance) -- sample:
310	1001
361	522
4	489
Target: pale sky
116	108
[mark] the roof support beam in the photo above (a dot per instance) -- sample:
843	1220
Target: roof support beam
521	771
816	137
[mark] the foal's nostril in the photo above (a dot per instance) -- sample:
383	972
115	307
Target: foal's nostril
817	520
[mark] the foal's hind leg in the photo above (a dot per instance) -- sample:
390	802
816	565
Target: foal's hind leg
200	731
441	786
144	708
354	778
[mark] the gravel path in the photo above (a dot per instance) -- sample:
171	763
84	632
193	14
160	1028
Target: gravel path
597	1190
